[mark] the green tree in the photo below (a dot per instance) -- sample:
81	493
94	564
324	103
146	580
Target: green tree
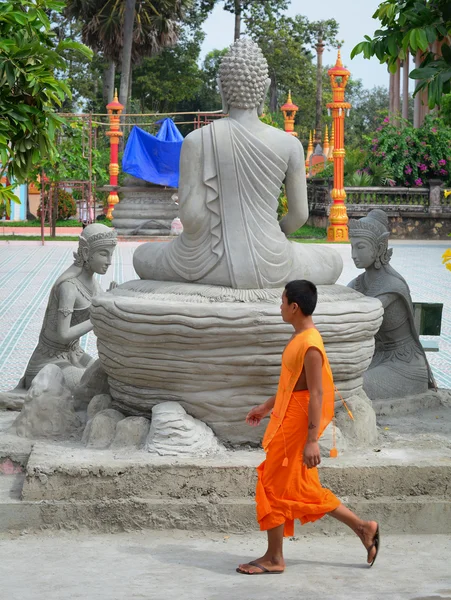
241	9
30	92
369	107
155	24
411	26
162	82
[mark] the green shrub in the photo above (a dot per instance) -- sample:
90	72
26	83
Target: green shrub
67	207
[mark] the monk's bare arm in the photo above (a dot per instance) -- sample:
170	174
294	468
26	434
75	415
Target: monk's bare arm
256	414
313	363
296	190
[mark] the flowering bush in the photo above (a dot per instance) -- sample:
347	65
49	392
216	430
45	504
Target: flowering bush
414	155
67	207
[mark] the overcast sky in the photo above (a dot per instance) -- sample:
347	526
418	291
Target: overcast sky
353	16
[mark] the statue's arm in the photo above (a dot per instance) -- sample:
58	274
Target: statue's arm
296	190
66	302
191	201
387	299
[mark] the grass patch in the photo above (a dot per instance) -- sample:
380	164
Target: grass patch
34	238
309	232
65	223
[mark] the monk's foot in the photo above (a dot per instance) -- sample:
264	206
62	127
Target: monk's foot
266	565
368	532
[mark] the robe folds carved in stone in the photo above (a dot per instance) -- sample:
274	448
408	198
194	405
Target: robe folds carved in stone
242	178
286	489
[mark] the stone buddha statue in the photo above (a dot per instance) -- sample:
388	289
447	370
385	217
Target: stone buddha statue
399	367
231	173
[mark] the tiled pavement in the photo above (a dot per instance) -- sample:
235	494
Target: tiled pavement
28	270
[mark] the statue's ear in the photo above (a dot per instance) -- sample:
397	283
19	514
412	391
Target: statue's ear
383	238
225	106
262	104
85	253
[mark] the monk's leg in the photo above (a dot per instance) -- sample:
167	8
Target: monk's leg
366	530
273	559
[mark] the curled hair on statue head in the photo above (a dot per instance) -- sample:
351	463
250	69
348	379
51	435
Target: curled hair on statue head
243	76
304	294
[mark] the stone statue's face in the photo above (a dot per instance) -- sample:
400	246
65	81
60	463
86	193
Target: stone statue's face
363	252
100	259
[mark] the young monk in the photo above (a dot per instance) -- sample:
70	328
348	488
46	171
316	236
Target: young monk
288	486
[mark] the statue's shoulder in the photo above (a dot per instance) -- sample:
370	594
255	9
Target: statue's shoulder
194	138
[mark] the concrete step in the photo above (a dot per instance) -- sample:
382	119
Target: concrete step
418	515
59	474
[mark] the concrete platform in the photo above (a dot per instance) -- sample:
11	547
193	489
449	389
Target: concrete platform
71	487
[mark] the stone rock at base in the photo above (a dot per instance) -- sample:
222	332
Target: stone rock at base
362	430
101	429
399	407
13	399
48	410
97	404
93	383
175	433
326	441
131	433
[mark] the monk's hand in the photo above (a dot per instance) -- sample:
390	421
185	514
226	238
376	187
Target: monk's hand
113	285
255	415
312	455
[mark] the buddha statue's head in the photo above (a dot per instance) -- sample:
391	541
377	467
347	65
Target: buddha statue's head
243	77
95	248
369	240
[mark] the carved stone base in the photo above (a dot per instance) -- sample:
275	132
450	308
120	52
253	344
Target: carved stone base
144	209
217	350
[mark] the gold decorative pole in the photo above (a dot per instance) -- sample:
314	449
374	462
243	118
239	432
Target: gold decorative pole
114	109
309	153
289	111
326	142
338	228
330	156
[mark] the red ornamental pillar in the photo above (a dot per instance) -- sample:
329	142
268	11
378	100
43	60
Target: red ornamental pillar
338	218
114	109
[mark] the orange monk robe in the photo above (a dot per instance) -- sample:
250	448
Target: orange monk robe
286	489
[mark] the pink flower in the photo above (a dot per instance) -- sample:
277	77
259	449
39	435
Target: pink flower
391	182
375	140
379	129
422	167
443	172
406	183
434	130
386	120
418	182
395	147
408	170
442	162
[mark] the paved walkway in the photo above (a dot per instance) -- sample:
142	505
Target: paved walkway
28	270
175	565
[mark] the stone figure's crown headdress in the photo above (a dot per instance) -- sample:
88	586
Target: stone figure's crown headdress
374	227
93	237
243	75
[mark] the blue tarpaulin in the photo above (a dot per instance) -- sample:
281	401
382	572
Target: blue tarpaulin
154	158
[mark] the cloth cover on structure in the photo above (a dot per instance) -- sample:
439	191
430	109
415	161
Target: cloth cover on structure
154	158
